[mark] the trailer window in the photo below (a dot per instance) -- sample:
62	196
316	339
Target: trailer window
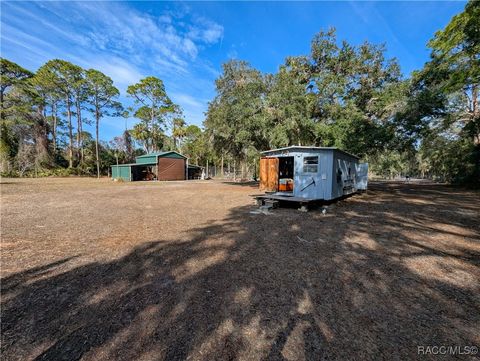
310	164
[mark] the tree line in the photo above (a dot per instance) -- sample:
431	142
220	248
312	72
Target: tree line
43	116
355	98
342	95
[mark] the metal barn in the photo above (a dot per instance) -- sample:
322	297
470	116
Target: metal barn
153	166
311	173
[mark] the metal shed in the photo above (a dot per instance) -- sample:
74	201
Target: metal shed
311	173
153	166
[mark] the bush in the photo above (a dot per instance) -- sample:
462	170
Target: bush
10	174
55	172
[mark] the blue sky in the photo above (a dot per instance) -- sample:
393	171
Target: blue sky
185	43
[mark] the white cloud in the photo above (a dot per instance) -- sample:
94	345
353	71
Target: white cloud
167	19
28	41
232	54
190	48
115	27
187	100
122	73
120	41
39	20
369	14
194	108
206	30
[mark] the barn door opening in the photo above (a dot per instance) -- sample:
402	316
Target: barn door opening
144	173
269	174
285	174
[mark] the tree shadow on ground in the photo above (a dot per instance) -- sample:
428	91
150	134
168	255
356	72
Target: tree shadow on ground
376	277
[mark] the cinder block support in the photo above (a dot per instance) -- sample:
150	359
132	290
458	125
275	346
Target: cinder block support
303	208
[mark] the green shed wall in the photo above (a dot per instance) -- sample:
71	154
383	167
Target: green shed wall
121	171
146	160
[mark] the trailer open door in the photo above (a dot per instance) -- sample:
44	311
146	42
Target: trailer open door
362	176
269	174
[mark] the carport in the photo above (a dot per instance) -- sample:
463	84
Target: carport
135	172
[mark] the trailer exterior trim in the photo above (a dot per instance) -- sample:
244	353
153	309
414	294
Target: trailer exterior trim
302	148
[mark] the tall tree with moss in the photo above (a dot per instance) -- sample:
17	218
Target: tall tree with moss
153	109
101	96
290	105
67	75
46	83
236	121
195	145
447	90
454	68
178	131
352	85
36	97
11	75
79	91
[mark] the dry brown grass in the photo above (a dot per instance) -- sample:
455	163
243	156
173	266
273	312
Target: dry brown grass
97	270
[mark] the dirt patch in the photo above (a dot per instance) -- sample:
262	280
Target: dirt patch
98	270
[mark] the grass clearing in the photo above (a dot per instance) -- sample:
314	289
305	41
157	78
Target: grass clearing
98	270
